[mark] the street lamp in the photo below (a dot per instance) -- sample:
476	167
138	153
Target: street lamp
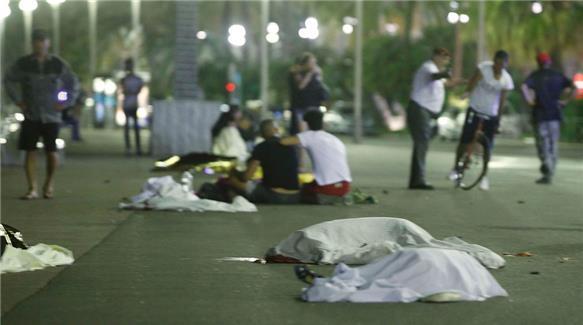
4	9
56	4
310	31
27	7
536	7
201	35
237	35
453	17
272	33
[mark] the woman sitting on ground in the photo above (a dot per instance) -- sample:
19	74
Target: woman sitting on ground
227	140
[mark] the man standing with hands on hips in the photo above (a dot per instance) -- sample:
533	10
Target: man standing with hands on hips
425	103
42	85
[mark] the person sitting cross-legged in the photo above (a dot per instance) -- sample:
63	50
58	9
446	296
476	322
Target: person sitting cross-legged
329	161
279	163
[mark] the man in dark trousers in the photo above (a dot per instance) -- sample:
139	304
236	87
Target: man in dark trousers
42	85
548	86
130	87
426	102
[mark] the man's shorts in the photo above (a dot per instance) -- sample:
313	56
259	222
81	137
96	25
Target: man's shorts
312	191
489	126
31	131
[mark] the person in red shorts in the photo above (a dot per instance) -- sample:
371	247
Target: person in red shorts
329	161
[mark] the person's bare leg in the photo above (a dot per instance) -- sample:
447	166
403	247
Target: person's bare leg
52	163
30	172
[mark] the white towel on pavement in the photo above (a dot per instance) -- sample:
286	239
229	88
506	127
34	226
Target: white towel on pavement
409	275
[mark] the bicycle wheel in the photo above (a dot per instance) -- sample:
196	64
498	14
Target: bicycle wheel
473	164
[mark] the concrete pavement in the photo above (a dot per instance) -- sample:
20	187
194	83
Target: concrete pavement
161	267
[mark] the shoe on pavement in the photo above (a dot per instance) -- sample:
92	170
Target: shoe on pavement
303	273
484	184
544	180
426	187
453	175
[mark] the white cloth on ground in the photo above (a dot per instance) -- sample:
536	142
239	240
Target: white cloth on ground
362	240
35	257
163	193
406	276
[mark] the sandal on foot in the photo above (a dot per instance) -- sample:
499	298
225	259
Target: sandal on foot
303	273
48	193
30	196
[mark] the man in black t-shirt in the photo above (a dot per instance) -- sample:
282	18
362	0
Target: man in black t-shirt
548	86
280	170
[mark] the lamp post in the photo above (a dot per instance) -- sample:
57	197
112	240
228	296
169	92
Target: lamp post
358	74
27	7
264	60
92	7
56	5
136	29
4	13
453	17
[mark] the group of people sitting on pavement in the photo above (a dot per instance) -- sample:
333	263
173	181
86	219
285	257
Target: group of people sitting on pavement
277	158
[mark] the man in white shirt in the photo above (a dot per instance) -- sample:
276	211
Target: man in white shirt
328	156
487	88
425	103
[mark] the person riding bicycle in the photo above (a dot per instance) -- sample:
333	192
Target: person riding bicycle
487	90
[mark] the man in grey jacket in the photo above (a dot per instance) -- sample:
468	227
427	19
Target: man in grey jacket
42	85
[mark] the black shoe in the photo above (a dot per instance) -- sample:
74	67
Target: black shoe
426	187
544	180
304	274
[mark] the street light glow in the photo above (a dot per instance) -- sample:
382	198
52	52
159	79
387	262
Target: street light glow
272	38
55	3
464	19
237	35
28	5
237	30
311	23
536	7
392	28
201	35
4	10
98	85
347	29
453	17
311	29
272	28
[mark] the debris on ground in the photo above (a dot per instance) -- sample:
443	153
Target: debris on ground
520	202
521	254
566	259
535	272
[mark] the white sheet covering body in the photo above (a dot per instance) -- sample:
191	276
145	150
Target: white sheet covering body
406	276
35	257
362	240
163	193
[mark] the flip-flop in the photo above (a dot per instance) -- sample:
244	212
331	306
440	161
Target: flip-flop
48	194
32	195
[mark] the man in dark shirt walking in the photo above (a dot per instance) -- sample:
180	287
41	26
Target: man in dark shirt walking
42	85
548	86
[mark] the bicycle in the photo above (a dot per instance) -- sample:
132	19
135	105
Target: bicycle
472	164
